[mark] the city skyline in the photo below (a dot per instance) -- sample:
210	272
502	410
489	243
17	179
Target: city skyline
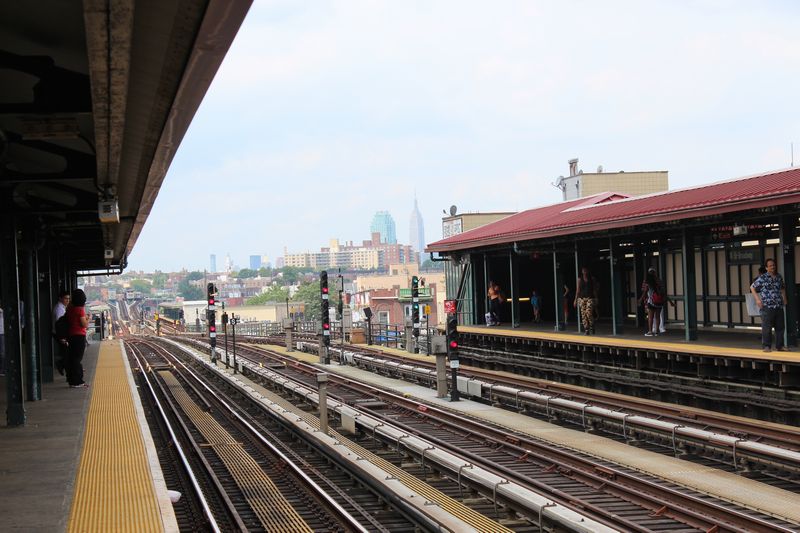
485	118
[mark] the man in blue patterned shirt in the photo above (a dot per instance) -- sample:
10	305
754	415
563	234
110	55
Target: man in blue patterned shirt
769	291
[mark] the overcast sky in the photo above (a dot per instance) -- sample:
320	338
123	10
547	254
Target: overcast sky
325	112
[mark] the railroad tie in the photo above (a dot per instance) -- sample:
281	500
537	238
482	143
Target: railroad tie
261	493
479	521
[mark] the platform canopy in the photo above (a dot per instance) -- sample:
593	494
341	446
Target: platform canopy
700	205
95	98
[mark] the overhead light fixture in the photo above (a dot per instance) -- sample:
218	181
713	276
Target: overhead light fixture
38	129
108	211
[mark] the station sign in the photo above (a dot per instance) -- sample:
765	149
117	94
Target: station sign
450	307
744	256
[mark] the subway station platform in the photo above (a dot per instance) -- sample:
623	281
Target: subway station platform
84	461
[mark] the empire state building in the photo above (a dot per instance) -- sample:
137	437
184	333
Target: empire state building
416	237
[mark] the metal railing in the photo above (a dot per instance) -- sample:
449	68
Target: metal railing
379	334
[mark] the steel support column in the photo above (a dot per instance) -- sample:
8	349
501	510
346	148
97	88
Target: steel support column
558	291
487	304
637	264
577	275
704	288
689	286
9	284
46	301
512	270
616	290
788	236
33	385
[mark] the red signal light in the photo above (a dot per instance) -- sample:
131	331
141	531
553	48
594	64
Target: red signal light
324	290
212	328
210	301
453	345
326	326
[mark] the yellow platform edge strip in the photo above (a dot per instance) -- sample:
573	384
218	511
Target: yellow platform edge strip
114	488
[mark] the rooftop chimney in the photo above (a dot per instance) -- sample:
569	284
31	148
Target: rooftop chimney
573	166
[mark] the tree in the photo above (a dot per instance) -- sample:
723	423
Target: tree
247	273
273	294
265	272
292	275
195	275
141	285
309	294
189	291
159	280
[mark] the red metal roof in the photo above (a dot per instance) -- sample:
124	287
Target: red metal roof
603	211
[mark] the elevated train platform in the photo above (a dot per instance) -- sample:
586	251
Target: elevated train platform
722	354
85	460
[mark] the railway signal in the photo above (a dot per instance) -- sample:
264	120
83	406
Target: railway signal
451	337
325	303
225	331
212	319
415	311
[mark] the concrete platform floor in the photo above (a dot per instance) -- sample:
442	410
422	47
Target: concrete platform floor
39	461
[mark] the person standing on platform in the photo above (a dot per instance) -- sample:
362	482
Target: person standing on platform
769	291
78	321
653	301
536	304
61	343
494	304
585	298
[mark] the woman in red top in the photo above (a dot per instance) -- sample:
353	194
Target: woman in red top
77	320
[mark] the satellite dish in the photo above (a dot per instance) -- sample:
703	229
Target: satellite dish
453	210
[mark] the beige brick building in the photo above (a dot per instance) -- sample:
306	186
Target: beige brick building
581	184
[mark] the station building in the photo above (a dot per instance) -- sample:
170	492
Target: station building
707	243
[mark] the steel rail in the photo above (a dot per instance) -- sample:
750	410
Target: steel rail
700	509
599	405
310	483
188	467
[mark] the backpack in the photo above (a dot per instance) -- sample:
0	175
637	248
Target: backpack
62	327
658	296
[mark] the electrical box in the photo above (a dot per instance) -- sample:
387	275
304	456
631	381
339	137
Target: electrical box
438	344
108	253
108	211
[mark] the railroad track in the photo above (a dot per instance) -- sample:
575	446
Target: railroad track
521	511
770	451
257	485
664	501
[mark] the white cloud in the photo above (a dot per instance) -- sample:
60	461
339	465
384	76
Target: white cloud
325	112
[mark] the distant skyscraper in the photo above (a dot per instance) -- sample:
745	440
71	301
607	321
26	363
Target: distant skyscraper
383	223
213	262
416	235
228	263
255	262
